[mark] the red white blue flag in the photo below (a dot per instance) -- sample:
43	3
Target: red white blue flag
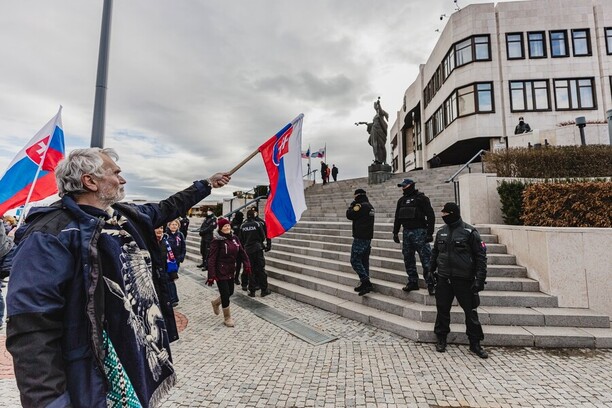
319	154
282	157
34	165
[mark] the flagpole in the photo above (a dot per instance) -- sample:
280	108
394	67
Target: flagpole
243	162
42	160
309	164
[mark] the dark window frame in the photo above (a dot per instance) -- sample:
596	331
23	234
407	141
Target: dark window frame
521	42
531	83
587	39
577	87
565	43
544	48
608	39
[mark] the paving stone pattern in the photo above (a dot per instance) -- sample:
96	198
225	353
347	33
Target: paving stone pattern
257	364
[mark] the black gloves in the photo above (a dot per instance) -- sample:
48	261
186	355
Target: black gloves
429	238
478	285
396	238
268	248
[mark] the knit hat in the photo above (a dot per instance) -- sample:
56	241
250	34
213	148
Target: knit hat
405	182
360	191
221	222
451	208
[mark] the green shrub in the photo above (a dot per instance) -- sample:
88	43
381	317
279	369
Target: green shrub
511	196
552	162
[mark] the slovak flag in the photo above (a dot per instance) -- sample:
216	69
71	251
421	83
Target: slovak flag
34	164
282	157
319	153
306	154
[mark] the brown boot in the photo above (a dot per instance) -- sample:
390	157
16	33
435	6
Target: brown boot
215	304
229	322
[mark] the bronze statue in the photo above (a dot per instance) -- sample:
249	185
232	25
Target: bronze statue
378	133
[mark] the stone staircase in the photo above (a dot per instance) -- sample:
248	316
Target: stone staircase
311	263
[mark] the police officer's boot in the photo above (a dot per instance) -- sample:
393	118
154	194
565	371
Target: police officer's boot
441	344
358	288
477	349
366	288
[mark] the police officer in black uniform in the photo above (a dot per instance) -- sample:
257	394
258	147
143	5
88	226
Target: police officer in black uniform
361	213
461	259
253	235
415	214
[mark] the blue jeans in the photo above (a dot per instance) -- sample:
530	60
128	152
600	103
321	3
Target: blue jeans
360	258
414	240
1	306
172	292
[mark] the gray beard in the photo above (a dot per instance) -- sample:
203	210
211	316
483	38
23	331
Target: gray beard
110	199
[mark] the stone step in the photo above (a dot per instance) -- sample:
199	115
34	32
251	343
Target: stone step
340	262
391	300
348	277
379	232
389	284
376	243
391	253
495	335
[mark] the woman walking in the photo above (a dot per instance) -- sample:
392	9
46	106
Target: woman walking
225	251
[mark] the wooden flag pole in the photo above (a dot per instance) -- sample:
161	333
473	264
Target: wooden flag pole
243	162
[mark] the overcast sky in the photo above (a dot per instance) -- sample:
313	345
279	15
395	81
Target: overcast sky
195	86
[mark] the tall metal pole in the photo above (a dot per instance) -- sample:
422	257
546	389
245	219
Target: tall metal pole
99	116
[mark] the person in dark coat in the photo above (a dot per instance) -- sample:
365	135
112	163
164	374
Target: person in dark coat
415	214
334	172
184	228
361	213
253	237
206	233
460	257
236	222
159	259
86	326
225	251
178	249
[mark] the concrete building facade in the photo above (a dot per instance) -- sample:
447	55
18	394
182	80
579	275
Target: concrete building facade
549	61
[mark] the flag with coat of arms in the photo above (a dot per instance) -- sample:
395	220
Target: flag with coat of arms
283	160
31	174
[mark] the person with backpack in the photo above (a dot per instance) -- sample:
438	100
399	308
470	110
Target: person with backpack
415	214
86	322
206	234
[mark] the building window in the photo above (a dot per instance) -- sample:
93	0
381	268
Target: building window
574	94
463	52
514	46
482	49
581	42
484	97
475	98
558	44
537	45
608	32
449	63
529	96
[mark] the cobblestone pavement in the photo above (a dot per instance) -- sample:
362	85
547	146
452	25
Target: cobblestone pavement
257	364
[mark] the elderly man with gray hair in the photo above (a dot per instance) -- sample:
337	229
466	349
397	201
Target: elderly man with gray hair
89	323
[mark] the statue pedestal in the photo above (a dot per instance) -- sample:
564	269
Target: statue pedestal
379	173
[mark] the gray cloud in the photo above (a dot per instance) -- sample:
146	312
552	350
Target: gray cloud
195	86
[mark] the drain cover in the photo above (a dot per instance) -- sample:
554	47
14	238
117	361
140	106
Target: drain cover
288	323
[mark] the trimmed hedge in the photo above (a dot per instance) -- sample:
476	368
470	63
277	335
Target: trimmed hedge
551	162
577	204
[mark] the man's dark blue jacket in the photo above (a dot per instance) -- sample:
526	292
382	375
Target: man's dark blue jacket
55	300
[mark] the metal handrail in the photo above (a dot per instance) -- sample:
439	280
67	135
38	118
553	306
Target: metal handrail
480	153
244	206
456	182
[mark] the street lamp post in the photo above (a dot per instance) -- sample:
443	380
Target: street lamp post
99	116
581	123
609	117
